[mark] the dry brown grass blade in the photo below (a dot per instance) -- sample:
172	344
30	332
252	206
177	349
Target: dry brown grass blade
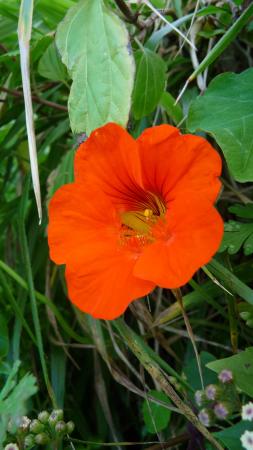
103	398
24	36
178	296
155	372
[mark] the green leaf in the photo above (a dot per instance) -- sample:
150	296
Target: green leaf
241	366
14	404
230	437
237	235
232	283
40	47
54	134
245	211
226	112
149	83
94	45
53	12
63	174
210	33
156	417
192	373
50	65
167	101
13	398
159	3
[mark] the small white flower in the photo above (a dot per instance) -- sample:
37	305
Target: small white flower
225	376
11	447
247	411
221	410
199	397
23	423
211	392
205	416
247	440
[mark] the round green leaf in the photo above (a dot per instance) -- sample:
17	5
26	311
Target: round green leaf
226	112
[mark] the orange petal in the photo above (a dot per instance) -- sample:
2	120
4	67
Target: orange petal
195	229
78	215
102	282
84	233
110	160
175	164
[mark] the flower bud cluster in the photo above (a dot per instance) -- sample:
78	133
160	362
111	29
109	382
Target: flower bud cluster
217	401
47	428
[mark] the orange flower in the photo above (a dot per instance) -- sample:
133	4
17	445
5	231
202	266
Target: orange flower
139	214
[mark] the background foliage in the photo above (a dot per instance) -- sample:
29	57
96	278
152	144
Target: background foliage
88	61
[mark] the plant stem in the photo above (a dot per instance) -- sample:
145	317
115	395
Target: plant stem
35	98
124	8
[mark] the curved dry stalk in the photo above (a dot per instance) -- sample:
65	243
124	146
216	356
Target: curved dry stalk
24	36
155	372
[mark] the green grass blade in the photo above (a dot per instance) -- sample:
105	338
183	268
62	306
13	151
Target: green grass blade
230	281
46	301
16	307
29	274
224	42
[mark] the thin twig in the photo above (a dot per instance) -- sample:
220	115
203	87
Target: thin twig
131	17
35	98
178	296
171	442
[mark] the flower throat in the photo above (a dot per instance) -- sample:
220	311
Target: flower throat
145	217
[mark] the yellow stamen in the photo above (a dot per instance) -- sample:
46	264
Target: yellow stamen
148	213
139	223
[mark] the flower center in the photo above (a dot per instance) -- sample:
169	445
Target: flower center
141	221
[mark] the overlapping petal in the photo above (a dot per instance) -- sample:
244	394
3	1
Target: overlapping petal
192	235
174	164
110	160
84	233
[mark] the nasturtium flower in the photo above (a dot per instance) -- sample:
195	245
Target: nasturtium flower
140	213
